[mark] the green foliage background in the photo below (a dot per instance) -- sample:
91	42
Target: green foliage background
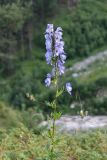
22	49
23	70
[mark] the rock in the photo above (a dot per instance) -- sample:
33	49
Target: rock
75	75
75	123
83	65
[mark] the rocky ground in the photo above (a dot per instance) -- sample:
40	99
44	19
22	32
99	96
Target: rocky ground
83	65
76	123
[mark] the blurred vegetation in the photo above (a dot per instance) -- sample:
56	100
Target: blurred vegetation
12	118
8	117
23	95
20	144
84	27
22	48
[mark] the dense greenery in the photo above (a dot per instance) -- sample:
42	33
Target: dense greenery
23	95
22	50
20	144
11	118
84	27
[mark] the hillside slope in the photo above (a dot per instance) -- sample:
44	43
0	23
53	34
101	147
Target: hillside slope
85	31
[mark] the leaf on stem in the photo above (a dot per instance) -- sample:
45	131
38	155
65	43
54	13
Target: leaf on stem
59	92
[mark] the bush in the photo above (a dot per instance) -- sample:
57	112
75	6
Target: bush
32	119
9	118
84	27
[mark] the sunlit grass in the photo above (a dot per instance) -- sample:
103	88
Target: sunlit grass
20	143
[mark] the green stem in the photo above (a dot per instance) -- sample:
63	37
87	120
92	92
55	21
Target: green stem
53	135
54	111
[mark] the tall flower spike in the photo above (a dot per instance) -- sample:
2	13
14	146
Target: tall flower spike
59	44
55	55
48	43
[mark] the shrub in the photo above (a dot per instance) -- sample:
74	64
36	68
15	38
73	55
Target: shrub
9	118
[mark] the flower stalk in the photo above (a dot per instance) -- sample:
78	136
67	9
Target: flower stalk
55	57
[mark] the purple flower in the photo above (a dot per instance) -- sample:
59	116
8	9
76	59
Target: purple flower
63	57
69	88
48	80
59	48
55	54
61	68
50	29
48	42
58	34
59	44
48	56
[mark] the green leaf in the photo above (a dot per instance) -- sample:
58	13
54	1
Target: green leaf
56	141
57	115
48	104
50	133
51	104
59	92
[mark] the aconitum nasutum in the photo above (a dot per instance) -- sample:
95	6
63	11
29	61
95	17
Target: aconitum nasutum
55	57
55	54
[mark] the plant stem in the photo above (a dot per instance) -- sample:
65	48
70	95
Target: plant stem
54	111
53	136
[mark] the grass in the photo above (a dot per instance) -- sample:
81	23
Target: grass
21	144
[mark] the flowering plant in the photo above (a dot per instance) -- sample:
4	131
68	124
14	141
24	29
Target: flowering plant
55	57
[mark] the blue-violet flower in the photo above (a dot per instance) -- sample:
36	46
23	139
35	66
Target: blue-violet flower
48	80
69	88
